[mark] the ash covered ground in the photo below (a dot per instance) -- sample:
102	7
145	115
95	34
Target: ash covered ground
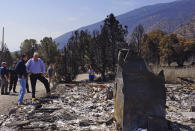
86	108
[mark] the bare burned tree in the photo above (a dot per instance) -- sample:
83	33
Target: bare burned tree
5	54
136	38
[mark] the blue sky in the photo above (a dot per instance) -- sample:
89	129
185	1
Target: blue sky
39	18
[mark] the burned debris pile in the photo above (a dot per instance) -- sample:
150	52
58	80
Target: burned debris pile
72	108
87	108
180	103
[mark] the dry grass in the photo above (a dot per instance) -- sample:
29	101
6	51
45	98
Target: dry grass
171	73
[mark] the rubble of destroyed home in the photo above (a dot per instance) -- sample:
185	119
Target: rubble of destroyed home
83	108
72	108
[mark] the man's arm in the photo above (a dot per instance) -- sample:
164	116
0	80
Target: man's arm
42	66
17	69
28	66
48	71
6	77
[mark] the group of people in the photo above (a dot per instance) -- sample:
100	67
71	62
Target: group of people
12	75
34	68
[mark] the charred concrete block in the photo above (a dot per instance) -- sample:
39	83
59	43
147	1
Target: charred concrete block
139	95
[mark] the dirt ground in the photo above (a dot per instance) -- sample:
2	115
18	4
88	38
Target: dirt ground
82	77
85	77
8	101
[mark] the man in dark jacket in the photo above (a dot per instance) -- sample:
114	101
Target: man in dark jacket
4	79
22	75
13	78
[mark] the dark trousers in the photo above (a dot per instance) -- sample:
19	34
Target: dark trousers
27	86
33	79
13	83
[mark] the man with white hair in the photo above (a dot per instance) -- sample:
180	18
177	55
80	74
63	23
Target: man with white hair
36	69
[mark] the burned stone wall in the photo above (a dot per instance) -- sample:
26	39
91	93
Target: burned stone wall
140	96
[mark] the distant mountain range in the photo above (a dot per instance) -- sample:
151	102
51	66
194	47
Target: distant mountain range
187	31
177	17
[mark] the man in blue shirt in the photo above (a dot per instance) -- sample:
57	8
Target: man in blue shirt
36	69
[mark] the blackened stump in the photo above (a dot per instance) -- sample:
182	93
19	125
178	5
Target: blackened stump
140	96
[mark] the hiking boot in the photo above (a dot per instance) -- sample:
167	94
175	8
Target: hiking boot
20	105
7	93
33	99
48	94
